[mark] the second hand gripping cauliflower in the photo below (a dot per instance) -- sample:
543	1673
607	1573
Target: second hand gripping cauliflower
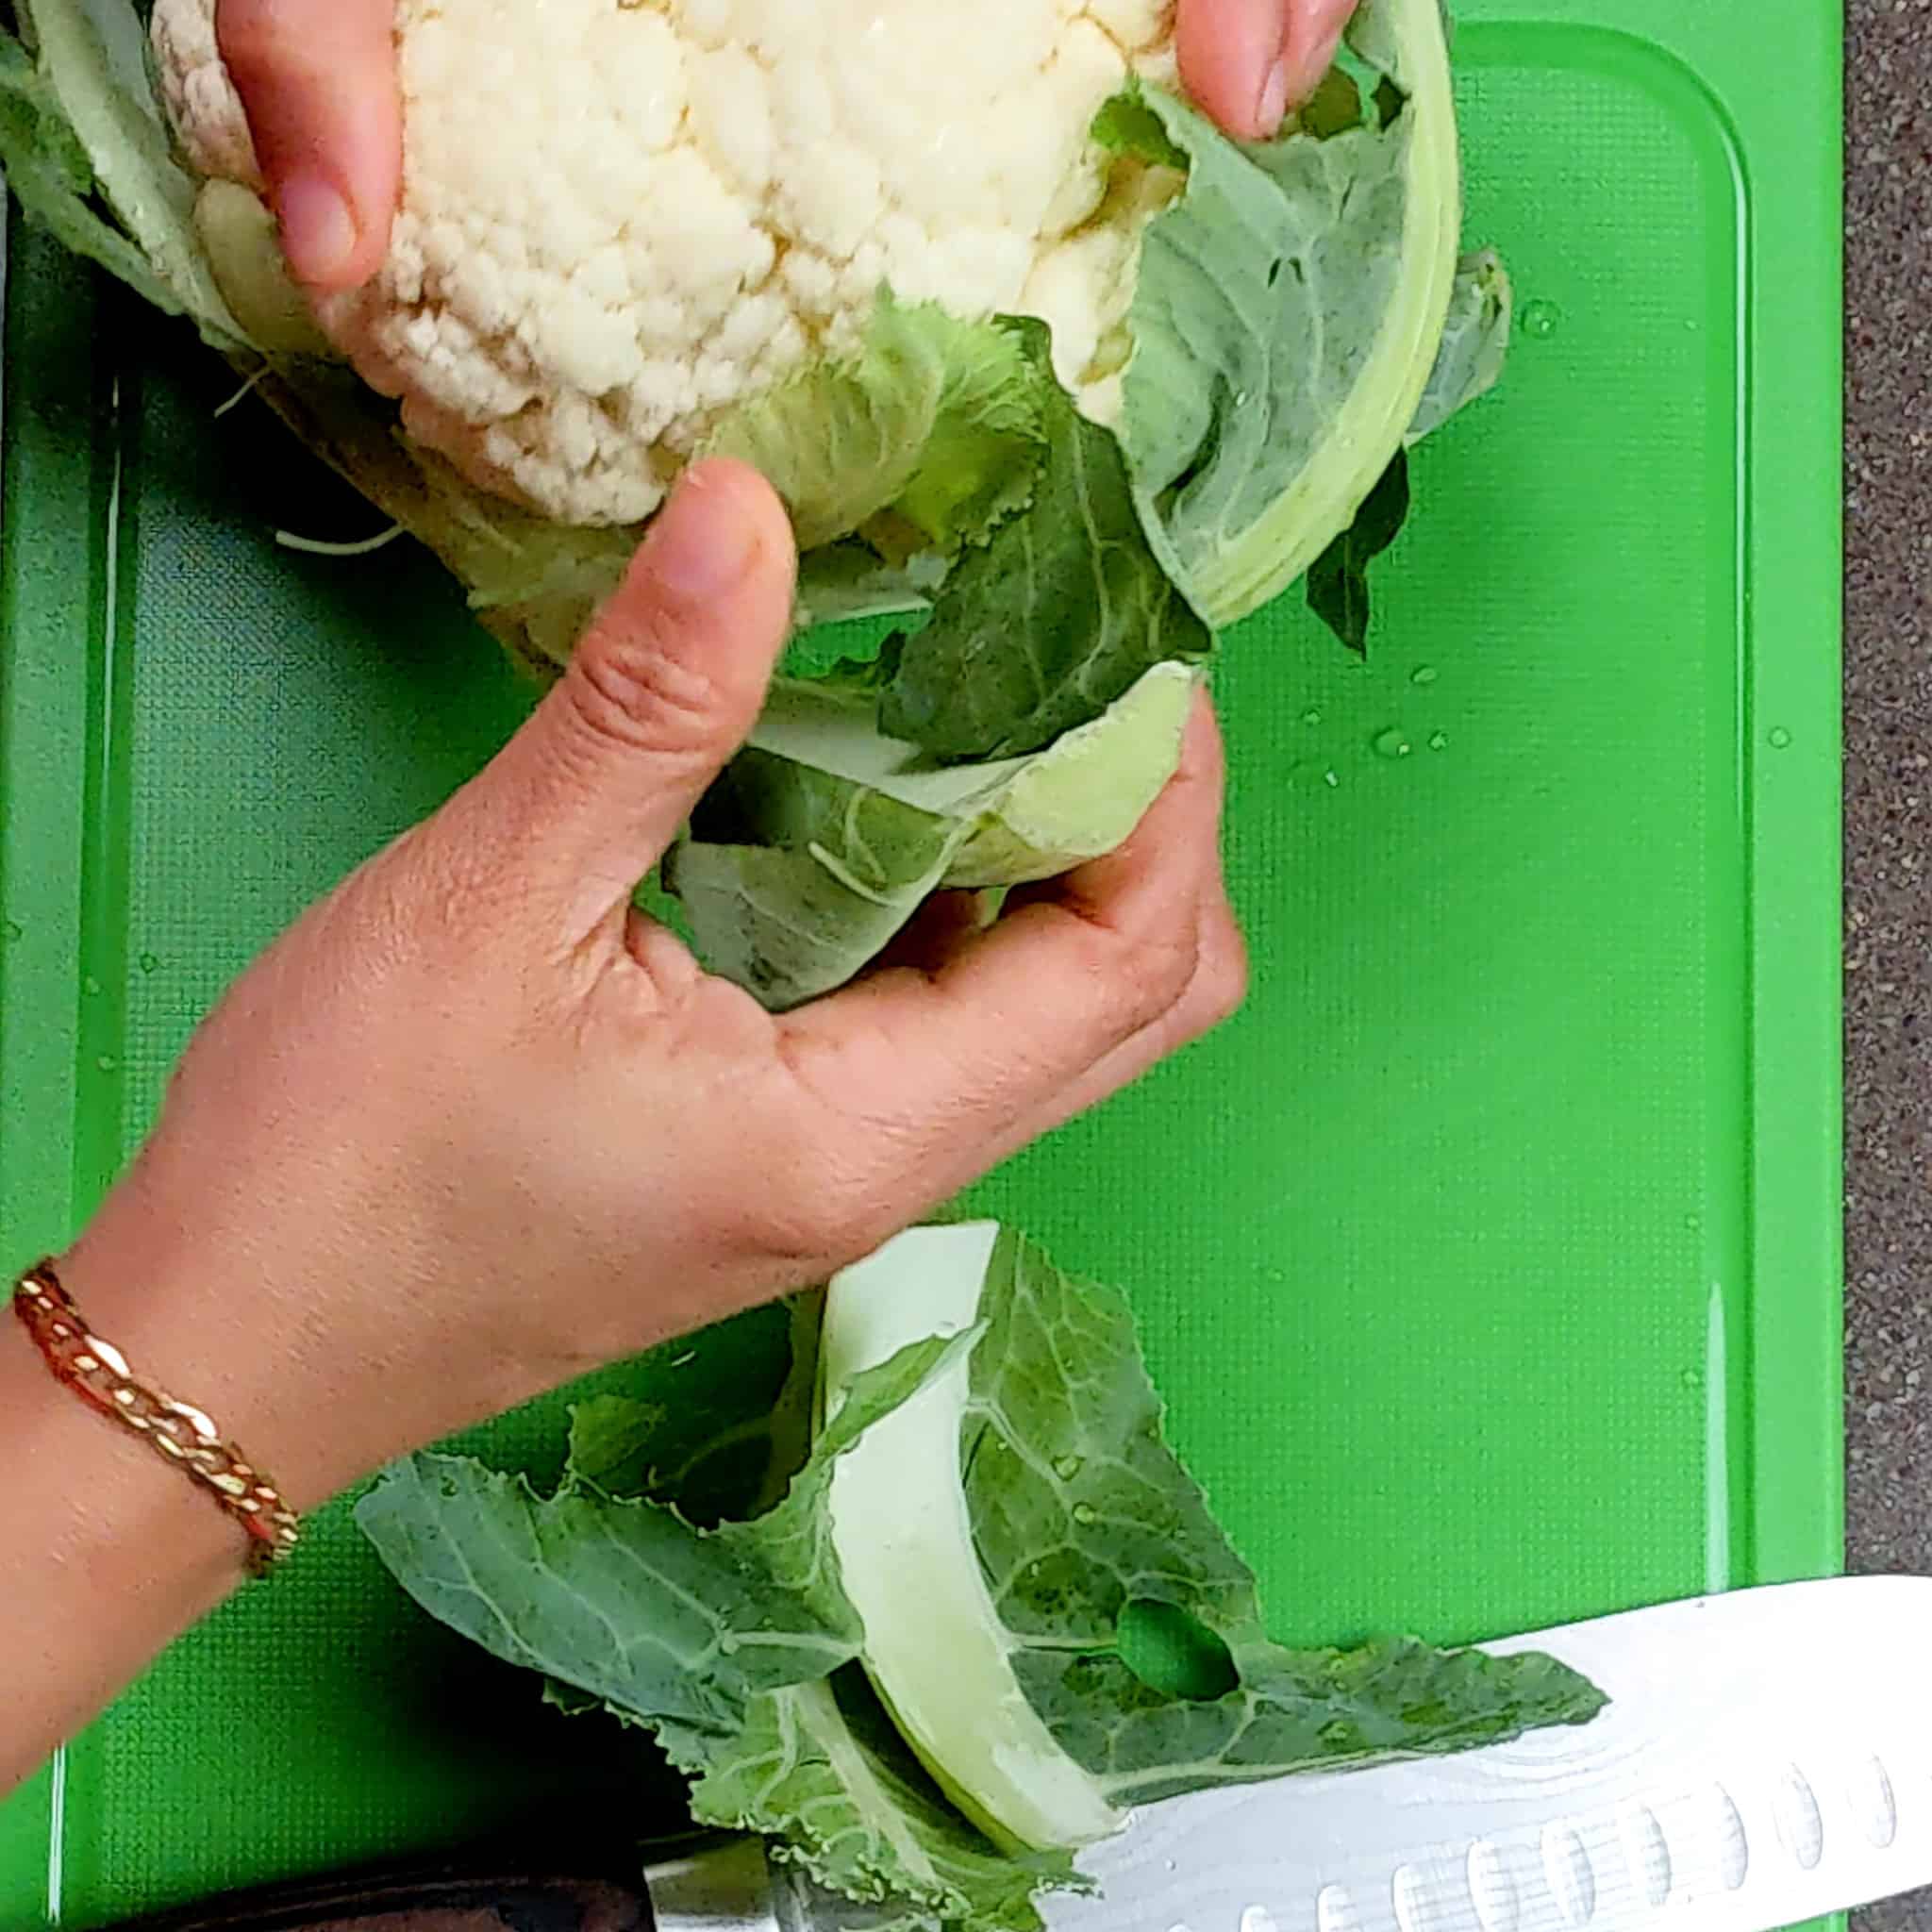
619	220
1048	371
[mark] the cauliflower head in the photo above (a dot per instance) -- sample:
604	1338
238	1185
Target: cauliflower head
1056	380
620	220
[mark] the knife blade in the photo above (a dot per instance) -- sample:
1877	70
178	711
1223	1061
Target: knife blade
1765	1759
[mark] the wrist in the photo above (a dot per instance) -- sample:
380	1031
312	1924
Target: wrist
104	1497
89	1516
182	1434
298	1344
192	1319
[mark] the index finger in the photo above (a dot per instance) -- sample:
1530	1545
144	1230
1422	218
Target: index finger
1023	1015
318	79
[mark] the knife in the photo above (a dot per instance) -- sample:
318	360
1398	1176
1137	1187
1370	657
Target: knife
1765	1759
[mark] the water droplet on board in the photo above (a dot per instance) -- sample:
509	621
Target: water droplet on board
1438	740
1780	738
90	986
1085	1515
1423	673
1392	744
107	1063
1693	1378
149	963
1312	716
1542	319
1067	1468
13	931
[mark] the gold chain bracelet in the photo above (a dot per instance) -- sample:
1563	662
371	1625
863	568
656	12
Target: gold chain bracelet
181	1434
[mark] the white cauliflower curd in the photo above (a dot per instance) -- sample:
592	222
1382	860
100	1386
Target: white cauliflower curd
619	219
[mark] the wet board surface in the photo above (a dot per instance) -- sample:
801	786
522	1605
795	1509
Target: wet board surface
1489	1262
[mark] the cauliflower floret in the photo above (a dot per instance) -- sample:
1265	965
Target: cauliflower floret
619	220
208	118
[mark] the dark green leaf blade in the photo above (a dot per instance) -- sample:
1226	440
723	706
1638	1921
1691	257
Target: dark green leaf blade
623	1600
1052	620
1339	579
1296	1711
1082	1513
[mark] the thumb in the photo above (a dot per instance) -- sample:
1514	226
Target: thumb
663	689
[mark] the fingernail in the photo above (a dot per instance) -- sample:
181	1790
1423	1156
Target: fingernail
701	546
1272	108
319	231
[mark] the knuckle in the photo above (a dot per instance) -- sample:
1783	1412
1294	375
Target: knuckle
1120	989
384	918
1156	972
412	890
629	691
1128	977
828	1218
1220	987
1223	992
422	914
836	1178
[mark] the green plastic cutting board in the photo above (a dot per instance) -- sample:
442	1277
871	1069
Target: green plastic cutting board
1489	1263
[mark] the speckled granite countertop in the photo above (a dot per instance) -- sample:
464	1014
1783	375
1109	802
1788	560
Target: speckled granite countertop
1889	801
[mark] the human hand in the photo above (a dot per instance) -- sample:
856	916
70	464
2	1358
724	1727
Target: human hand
318	80
475	1126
